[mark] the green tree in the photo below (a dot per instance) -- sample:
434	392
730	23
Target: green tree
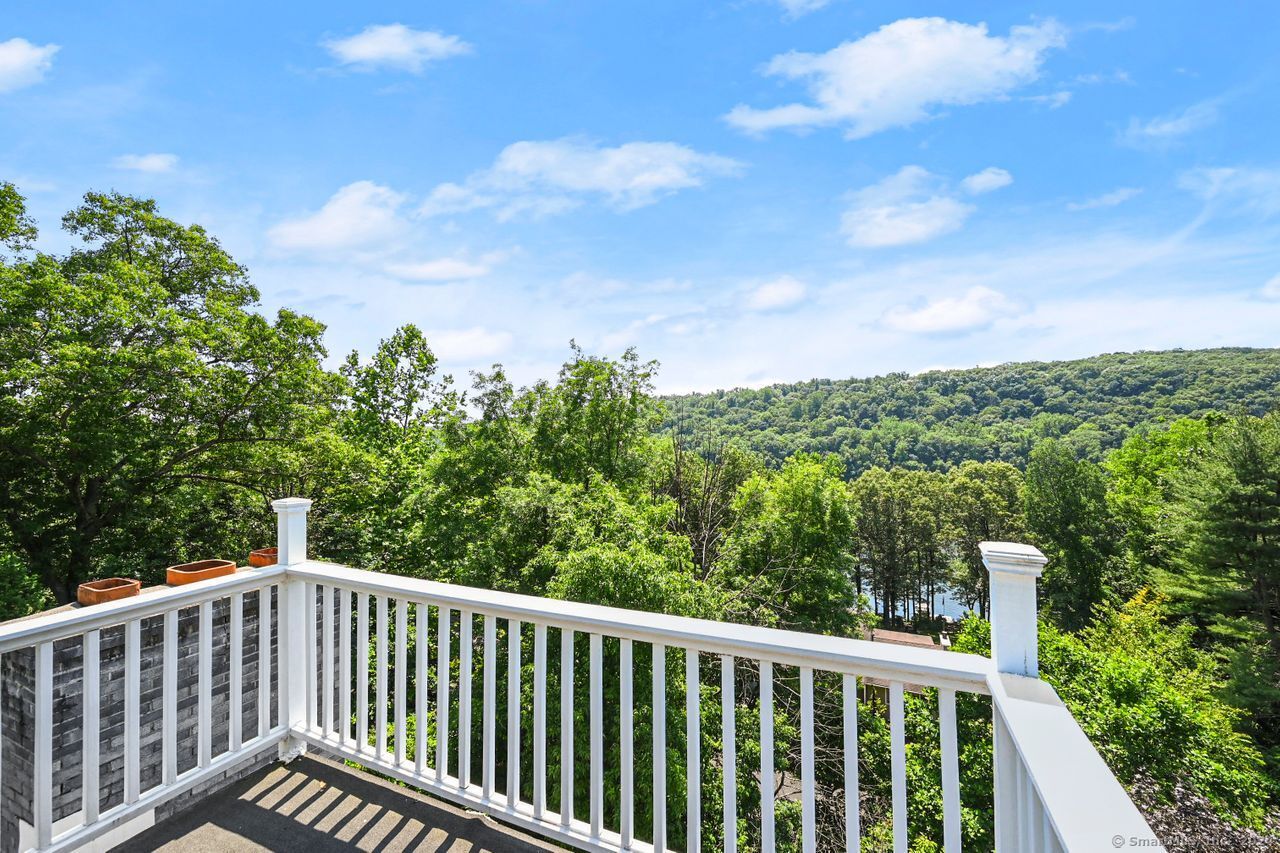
1229	566
787	558
985	504
129	368
1066	511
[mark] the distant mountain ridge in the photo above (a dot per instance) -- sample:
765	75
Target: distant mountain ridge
940	418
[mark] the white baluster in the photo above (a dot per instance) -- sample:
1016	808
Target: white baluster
465	626
421	686
898	766
693	750
326	665
852	818
205	701
380	679
235	725
539	720
402	675
42	808
92	698
950	770
264	659
362	672
344	667
766	757
566	726
489	710
513	713
595	659
808	830
443	636
729	734
169	721
659	747
627	736
311	634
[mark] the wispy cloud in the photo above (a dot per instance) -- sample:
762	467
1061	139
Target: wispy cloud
989	179
1108	199
395	46
796	8
1271	290
1248	189
472	344
535	179
445	269
782	292
151	163
359	215
903	73
1165	130
24	64
976	308
913	206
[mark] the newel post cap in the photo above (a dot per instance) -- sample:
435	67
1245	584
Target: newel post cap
1012	558
291	505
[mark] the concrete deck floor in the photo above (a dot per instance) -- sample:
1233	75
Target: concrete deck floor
315	805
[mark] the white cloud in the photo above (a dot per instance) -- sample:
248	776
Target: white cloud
358	215
1271	290
796	8
1250	190
395	46
977	308
446	269
1110	199
1053	100
912	206
536	179
24	64
782	292
153	163
985	181
1163	131
903	73
470	344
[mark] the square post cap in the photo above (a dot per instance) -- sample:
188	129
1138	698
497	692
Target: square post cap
291	505
1012	558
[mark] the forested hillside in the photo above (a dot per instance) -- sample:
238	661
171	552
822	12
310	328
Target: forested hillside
149	412
939	419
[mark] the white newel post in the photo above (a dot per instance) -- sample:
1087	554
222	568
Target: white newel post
1012	571
291	549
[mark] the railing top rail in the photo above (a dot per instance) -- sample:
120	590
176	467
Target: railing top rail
932	667
1086	804
22	633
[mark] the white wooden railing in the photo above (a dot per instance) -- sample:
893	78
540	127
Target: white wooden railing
41	633
1053	792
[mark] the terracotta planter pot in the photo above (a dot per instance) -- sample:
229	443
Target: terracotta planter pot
201	570
107	589
262	557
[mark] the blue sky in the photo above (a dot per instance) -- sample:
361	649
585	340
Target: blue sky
748	191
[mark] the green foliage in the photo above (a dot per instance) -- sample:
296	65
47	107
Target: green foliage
1152	704
787	556
17	230
1066	511
131	369
21	592
938	419
147	413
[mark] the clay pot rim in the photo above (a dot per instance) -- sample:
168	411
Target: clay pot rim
201	565
111	583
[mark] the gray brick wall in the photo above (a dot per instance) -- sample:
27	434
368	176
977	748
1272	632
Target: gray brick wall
17	707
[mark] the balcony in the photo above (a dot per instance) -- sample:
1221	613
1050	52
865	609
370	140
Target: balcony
535	712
